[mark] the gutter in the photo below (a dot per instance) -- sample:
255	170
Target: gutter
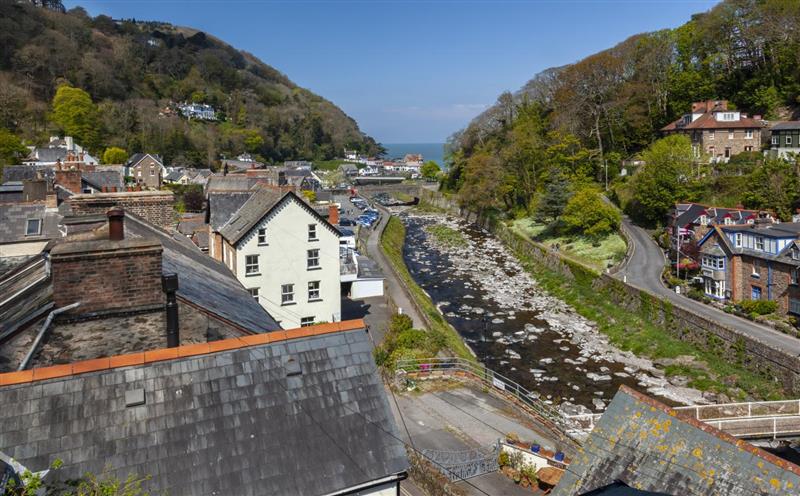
24	364
371	484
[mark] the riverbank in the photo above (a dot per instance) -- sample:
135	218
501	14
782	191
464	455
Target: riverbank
392	241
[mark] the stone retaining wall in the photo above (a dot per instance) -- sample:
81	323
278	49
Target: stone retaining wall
682	323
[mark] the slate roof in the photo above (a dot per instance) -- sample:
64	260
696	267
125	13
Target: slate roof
137	157
252	211
23	172
786	126
233	422
237	182
688	213
100	179
708	121
203	281
222	206
48	155
175	175
647	445
14	217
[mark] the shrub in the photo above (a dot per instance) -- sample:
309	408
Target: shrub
758	307
503	459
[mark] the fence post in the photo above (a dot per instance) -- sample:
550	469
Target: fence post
749	409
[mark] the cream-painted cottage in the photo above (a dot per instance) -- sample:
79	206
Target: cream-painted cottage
285	254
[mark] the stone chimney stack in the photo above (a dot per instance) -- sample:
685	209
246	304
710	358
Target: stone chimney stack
69	179
108	276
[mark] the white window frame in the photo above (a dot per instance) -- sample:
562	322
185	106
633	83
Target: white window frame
253	292
312	232
759	241
788	140
312	259
262	236
711	135
776	140
748	134
307	321
731	135
737	240
251	265
727	221
287	294
37	231
314	291
152	172
703	220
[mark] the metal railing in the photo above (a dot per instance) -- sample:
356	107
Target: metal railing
490	378
752	419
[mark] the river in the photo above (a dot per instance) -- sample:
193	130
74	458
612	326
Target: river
517	329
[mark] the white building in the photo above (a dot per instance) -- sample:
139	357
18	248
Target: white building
57	150
286	255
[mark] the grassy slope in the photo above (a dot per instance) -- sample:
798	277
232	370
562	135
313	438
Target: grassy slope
610	250
392	242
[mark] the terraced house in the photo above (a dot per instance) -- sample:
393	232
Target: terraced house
717	131
753	262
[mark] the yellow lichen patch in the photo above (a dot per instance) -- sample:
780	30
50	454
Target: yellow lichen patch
775	483
638	414
697	453
662	448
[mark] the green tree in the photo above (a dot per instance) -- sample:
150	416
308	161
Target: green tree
664	179
554	199
587	213
429	170
114	155
11	147
76	115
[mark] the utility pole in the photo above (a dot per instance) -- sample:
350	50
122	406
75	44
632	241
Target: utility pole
678	255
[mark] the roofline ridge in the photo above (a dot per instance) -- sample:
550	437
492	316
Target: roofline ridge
184	351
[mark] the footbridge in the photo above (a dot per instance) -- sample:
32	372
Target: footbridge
754	420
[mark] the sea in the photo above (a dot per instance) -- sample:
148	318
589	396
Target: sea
429	151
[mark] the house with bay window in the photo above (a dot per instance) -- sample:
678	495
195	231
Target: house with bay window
284	253
760	261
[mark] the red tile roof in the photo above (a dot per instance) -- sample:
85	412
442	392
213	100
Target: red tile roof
707	121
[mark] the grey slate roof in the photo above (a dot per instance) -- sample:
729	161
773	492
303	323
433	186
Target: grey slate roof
231	183
174	175
49	154
14	217
23	172
628	445
252	211
203	281
226	423
137	157
99	179
786	126
222	206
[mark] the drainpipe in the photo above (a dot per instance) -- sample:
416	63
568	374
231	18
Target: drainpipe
24	364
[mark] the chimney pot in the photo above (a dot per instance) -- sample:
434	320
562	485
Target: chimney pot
116	224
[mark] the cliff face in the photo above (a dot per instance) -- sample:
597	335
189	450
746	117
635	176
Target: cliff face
135	72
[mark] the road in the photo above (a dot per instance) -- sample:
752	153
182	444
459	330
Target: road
643	270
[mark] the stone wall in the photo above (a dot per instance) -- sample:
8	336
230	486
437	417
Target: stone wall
107	276
156	207
681	323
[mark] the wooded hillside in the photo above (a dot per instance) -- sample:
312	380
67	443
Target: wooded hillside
133	70
568	123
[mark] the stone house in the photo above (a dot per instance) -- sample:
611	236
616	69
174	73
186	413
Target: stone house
147	170
692	221
753	262
717	131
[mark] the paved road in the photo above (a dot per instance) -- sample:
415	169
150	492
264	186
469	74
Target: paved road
394	288
464	418
643	270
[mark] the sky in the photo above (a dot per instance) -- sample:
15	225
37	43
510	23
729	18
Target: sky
412	71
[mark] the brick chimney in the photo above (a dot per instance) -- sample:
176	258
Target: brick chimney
333	214
69	179
108	276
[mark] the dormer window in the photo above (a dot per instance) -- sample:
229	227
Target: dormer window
728	221
33	227
795	253
737	240
703	220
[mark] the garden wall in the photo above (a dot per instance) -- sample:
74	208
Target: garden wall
705	334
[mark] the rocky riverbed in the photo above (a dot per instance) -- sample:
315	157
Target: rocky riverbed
519	330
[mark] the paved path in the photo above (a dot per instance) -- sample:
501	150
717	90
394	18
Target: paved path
395	289
464	418
643	270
